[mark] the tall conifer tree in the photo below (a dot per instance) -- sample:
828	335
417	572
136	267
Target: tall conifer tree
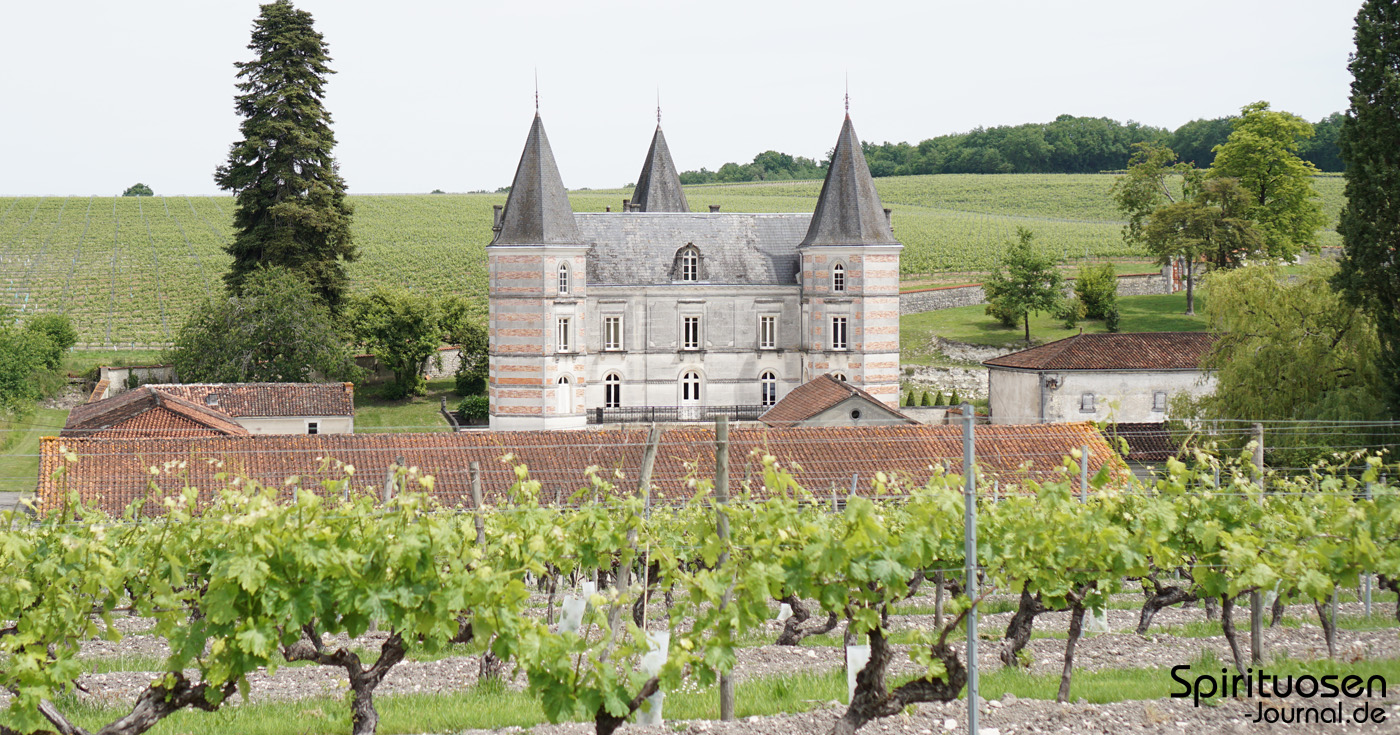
1370	147
291	209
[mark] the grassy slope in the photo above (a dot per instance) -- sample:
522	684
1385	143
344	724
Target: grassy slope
19	462
123	287
1162	313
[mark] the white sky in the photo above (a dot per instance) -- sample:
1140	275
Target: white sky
437	94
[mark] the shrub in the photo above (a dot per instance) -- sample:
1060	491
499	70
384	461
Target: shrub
955	400
1007	317
941	400
1111	320
1096	288
58	331
928	399
476	408
1070	312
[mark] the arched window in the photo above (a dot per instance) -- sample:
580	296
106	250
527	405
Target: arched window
838	278
688	266
612	391
564	395
690	387
768	382
563	279
839	376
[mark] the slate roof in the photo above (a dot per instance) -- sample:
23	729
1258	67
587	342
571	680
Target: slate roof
1114	351
659	184
267	400
111	473
848	211
537	211
813	397
639	248
146	411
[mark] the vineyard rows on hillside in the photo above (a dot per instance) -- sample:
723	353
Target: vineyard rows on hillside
128	270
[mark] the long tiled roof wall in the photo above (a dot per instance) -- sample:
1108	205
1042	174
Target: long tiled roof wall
111	473
813	397
1120	351
264	400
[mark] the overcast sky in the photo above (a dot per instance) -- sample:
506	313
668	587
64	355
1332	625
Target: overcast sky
439	95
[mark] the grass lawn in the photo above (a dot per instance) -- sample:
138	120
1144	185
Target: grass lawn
78	361
19	462
419	413
970	324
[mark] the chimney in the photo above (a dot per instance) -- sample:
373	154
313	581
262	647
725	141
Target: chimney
607	208
888	220
714	208
496	218
626	205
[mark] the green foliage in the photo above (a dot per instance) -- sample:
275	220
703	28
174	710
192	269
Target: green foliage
138	190
940	399
1070	312
402	330
1370	273
58	331
1154	179
464	326
1292	350
1025	281
1262	154
1096	288
291	209
475	407
30	356
954	400
1004	316
276	331
766	166
1110	320
927	399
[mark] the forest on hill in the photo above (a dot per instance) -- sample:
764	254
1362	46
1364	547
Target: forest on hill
1067	145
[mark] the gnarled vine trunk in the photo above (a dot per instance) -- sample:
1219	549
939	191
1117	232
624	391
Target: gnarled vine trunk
364	719
1018	631
1227	624
872	701
793	630
1162	596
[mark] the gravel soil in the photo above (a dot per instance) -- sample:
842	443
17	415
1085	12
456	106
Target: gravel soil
1120	648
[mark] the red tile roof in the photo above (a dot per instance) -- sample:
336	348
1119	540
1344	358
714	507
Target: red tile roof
147	412
111	473
1114	351
246	400
813	397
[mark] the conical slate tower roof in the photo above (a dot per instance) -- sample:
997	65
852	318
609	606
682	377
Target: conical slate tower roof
848	211
537	211
659	186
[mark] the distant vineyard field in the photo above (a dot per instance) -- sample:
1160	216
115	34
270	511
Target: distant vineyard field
129	269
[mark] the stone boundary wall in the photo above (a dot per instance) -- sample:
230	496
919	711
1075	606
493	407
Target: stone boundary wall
949	297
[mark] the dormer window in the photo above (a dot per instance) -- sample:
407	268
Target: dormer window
689	265
563	279
838	278
211	400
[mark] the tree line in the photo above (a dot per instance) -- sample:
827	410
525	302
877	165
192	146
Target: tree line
1067	145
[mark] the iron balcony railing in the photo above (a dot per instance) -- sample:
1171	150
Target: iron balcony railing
650	414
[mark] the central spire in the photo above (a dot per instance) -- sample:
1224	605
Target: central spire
537	210
659	186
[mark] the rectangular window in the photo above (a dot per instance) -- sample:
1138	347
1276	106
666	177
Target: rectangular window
767	332
838	333
690	333
563	337
1159	401
612	332
1086	403
312	427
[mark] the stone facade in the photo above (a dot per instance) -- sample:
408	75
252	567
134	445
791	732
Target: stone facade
1025	397
658	306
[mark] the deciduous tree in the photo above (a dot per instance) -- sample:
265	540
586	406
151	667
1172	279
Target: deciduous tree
402	330
291	209
276	331
138	190
1370	146
1210	225
1024	282
1262	153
